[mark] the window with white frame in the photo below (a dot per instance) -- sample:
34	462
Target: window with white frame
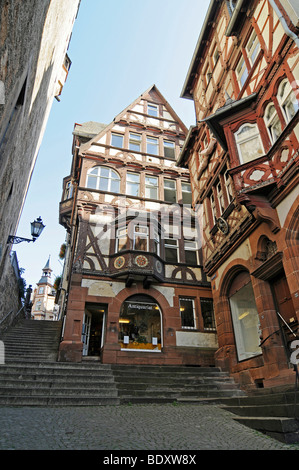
140	238
132	184
156	241
171	250
186	193
220	197
135	142
190	247
272	122
249	142
253	47
169	149
213	208
103	178
152	146
117	140
241	72
187	311
152	110
228	186
151	187
122	240
169	190
287	100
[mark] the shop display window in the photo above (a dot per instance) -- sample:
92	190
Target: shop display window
140	325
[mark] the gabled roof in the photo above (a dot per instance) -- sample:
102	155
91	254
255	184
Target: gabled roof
153	90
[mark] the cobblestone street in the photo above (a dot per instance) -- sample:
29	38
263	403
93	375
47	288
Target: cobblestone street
129	427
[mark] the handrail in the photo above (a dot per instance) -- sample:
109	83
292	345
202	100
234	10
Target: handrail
9	313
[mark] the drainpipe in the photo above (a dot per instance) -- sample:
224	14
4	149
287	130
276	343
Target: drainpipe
284	23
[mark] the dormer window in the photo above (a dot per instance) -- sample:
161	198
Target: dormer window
249	143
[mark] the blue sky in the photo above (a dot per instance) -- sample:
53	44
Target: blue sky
118	50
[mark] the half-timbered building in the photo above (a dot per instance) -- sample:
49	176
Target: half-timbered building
242	154
133	288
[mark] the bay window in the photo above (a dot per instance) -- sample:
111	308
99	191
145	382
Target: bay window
249	142
272	122
287	100
171	250
140	238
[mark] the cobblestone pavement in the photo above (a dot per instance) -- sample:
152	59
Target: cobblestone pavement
129	427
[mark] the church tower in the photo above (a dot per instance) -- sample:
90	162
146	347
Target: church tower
44	296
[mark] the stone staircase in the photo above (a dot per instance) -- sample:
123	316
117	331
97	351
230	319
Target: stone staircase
31	376
272	412
166	384
32	340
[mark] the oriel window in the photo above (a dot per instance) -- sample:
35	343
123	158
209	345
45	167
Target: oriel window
249	143
140	241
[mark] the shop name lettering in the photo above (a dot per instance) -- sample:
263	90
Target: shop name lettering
139	307
157	459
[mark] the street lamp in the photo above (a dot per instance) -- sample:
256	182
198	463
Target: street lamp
36	229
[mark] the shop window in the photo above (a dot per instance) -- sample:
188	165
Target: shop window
245	317
140	326
169	149
104	179
169	190
151	187
249	143
287	100
117	140
140	238
187	311
272	122
135	142
186	193
171	250
133	183
152	146
207	312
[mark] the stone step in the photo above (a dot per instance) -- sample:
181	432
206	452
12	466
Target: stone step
58	401
282	429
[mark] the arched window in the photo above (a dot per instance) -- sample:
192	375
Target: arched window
140	326
244	316
103	178
272	122
287	100
249	142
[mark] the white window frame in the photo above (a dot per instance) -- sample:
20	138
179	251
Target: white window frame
117	135
241	138
173	189
168	144
253	47
286	97
188	299
152	110
152	141
271	120
188	192
148	186
191	245
121	233
172	246
113	176
241	71
135	140
143	234
134	184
